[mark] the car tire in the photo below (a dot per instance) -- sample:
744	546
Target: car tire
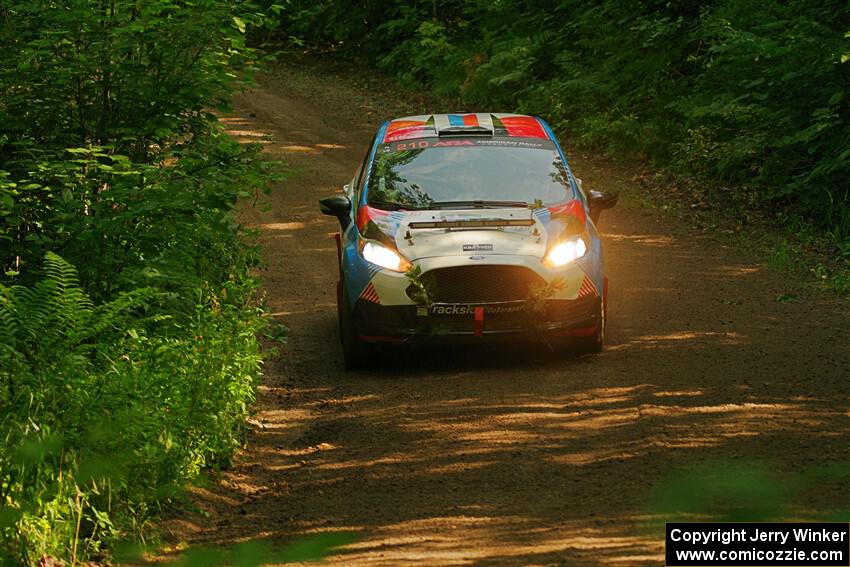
356	353
595	343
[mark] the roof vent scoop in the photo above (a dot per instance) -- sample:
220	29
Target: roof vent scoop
463	124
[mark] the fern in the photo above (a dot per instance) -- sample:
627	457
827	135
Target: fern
55	315
63	278
7	316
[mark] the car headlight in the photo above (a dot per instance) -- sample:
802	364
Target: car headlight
384	256
566	252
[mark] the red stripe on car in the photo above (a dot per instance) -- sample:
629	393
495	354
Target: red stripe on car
366	214
573	208
479	321
369	294
523	127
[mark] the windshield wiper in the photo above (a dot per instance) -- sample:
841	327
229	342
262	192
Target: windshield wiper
393	206
478	204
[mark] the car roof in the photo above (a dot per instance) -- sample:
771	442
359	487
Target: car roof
501	125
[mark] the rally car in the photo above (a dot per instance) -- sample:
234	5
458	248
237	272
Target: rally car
468	227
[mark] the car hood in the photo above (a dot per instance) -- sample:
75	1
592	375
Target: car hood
479	232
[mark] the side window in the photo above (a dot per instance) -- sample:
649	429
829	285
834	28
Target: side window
351	186
360	180
362	174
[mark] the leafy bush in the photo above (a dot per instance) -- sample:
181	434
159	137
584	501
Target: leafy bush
128	318
744	94
107	409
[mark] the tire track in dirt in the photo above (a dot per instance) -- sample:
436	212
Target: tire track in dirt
511	455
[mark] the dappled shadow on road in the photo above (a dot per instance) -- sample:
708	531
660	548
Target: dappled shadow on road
536	472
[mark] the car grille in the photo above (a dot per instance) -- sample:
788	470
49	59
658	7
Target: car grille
480	284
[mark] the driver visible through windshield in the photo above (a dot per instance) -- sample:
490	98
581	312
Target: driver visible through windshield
467	172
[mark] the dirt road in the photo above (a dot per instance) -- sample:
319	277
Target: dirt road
511	455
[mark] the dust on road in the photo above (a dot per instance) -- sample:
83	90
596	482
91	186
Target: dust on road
472	456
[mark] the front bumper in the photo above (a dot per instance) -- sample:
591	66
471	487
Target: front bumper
459	321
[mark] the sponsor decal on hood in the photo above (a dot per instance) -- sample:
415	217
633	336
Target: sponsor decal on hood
477	247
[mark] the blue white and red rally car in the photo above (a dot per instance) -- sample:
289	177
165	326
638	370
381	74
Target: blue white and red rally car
467	227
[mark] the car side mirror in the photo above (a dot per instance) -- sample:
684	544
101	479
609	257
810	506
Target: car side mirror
598	201
338	206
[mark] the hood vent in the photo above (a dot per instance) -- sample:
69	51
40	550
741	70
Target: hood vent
464	125
472	223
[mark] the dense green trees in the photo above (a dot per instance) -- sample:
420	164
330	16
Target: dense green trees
128	355
748	94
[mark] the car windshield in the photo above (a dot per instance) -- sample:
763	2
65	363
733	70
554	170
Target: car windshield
470	172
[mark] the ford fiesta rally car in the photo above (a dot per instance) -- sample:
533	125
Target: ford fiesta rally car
467	226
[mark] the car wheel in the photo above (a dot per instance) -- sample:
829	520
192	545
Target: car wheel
339	303
355	352
595	342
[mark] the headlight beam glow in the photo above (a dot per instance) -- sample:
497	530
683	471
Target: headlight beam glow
566	252
384	257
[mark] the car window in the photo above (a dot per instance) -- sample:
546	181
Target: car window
360	177
421	172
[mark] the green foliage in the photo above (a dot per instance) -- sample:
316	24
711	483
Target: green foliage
725	491
257	552
745	491
118	71
108	406
421	290
751	95
128	318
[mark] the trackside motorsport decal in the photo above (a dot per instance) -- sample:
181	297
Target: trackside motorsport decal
464	309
